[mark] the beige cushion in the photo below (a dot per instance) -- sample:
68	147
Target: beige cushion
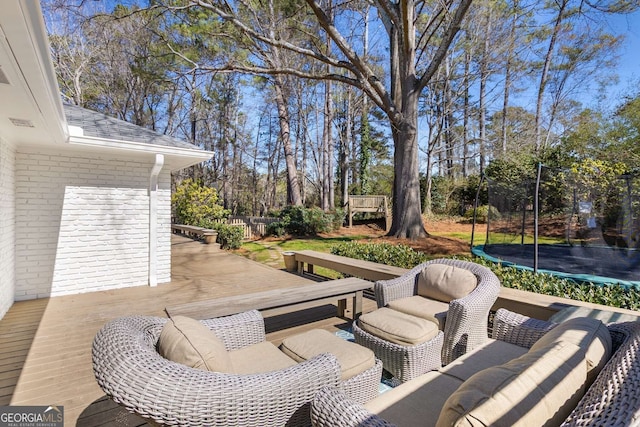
353	358
259	358
429	309
187	341
539	388
417	402
445	282
590	334
489	354
397	327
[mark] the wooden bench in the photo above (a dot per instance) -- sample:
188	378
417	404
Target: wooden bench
340	289
354	267
377	204
207	234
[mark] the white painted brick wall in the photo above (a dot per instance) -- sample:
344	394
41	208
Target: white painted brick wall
7	226
82	224
164	226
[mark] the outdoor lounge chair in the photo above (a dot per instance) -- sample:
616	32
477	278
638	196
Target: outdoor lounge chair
129	368
462	314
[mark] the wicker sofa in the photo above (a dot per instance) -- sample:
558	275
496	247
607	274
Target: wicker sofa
130	370
608	395
464	319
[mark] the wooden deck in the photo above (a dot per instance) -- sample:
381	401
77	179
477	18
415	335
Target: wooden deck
45	345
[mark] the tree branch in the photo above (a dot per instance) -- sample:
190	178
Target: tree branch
447	39
229	17
366	77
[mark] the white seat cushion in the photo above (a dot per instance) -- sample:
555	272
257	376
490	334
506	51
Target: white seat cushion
425	308
397	327
259	358
353	358
416	402
489	354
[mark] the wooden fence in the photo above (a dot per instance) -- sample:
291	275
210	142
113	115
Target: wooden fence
253	226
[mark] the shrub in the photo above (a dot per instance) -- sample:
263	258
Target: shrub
613	295
195	204
300	221
482	214
337	218
275	229
229	236
383	253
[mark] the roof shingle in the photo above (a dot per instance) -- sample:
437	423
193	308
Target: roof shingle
99	125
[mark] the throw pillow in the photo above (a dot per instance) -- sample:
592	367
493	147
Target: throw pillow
539	388
189	342
589	334
445	283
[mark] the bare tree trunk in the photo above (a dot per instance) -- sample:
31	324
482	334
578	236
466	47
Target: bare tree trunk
406	211
508	75
544	76
326	150
484	77
328	195
285	137
465	116
407	214
448	117
345	144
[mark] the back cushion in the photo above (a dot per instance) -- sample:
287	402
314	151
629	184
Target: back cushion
589	334
539	388
189	342
445	282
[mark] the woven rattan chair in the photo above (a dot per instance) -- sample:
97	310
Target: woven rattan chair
466	319
132	373
612	399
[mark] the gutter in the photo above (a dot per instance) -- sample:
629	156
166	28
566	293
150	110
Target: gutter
153	219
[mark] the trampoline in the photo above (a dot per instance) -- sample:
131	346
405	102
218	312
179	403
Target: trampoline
554	223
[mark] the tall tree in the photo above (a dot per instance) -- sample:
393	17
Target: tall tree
419	35
564	12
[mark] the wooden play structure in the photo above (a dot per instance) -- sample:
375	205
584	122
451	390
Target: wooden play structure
377	204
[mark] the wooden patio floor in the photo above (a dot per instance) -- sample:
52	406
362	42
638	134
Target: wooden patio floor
45	344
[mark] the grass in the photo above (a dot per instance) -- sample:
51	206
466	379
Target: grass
460	235
258	252
269	251
515	239
320	244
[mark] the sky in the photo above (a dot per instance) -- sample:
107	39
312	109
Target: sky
629	66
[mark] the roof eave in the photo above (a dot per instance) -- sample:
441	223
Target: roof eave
32	93
180	157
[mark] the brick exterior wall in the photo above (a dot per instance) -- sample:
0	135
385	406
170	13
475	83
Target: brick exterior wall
83	223
7	226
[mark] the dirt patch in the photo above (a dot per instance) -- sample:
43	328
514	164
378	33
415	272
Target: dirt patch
432	245
373	232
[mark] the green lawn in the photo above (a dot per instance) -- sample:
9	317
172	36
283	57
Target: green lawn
320	244
270	251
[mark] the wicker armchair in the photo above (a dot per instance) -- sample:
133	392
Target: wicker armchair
467	317
131	372
612	399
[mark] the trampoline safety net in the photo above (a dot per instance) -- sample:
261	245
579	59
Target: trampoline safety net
583	226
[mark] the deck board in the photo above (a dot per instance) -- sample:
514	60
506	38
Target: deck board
45	345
